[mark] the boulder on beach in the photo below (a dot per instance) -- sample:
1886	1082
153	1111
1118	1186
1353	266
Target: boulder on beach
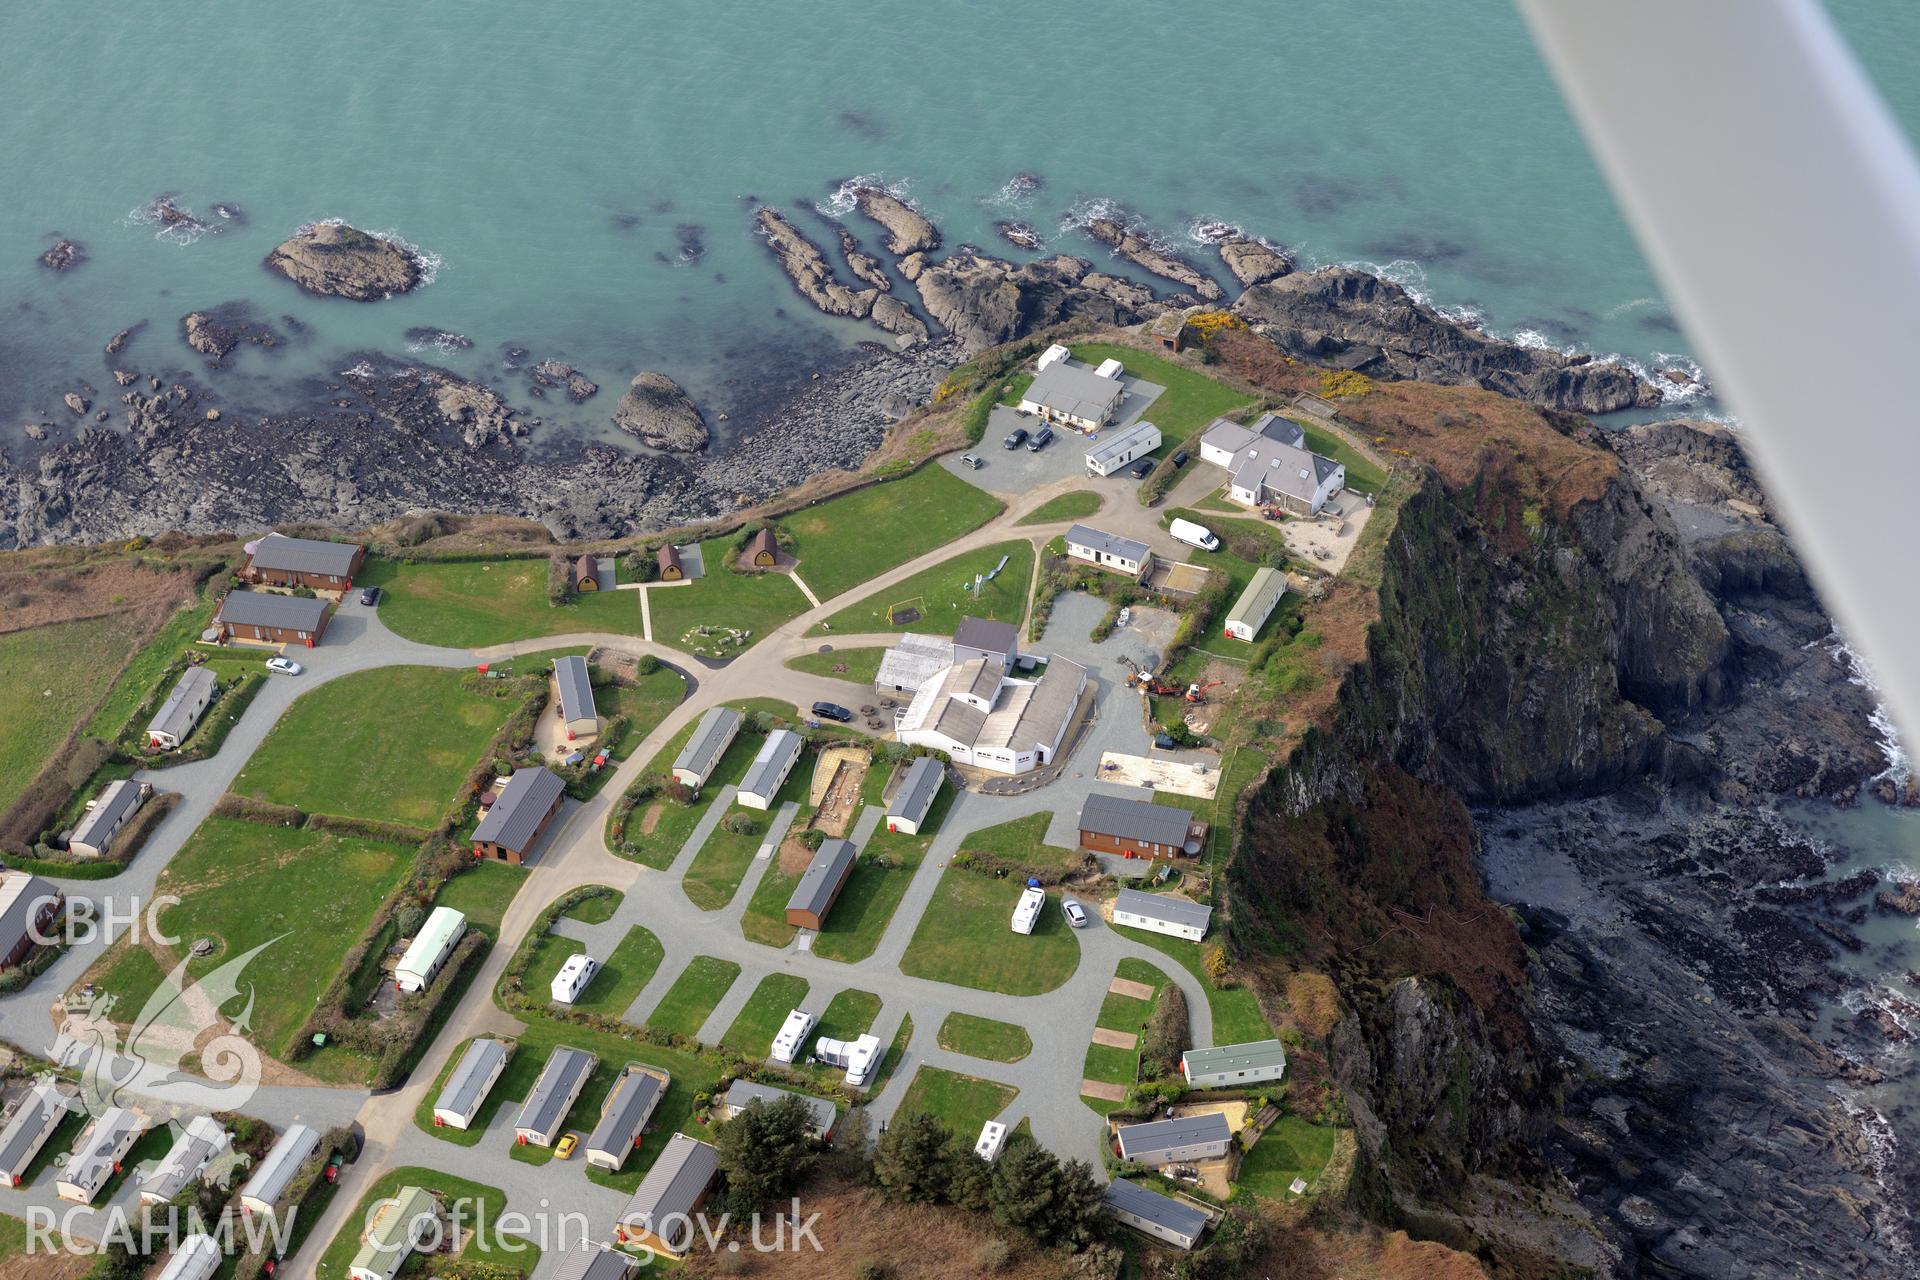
656	411
76	402
64	256
338	261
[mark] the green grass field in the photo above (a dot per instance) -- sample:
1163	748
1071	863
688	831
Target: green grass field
965	1103
130	975
1023	840
50	679
310	894
852	539
849	1015
966	938
1191	400
1077	505
1110	1063
517	1255
1292	1148
862	665
714	875
482	894
777	995
765	919
1236	1013
694	994
874	890
984	1038
755	603
645	703
943	595
470	604
392	744
472	1135
624	974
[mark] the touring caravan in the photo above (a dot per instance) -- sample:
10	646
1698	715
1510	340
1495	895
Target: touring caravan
793	1035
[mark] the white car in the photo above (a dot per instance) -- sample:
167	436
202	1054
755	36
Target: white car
284	666
1075	913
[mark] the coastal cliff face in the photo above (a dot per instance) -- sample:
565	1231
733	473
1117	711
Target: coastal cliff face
1621	671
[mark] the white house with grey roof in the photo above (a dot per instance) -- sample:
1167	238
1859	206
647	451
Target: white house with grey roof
573	690
96	1157
985	637
1159	913
913	798
1228	1066
820	1112
1122	449
1256	604
274	1174
624	1115
660	1213
35	1115
194	1150
1128	557
1162	1217
106	815
185	704
709	742
1072	394
1159	1143
467	1088
769	770
1269	464
982	716
553	1095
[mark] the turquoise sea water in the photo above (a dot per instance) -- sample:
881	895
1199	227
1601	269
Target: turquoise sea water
556	159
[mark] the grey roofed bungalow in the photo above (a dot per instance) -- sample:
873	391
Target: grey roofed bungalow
522	805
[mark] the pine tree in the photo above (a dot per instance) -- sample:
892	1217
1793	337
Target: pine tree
1025	1185
911	1161
970	1182
764	1151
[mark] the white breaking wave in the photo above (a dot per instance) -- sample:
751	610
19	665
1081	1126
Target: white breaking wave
182	230
1015	193
361	370
1079	216
842	202
1899	766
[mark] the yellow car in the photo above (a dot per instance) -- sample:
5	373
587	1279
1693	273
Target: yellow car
564	1150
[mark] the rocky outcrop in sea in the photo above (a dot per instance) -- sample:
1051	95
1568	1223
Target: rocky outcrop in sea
1141	252
908	230
814	277
1253	261
64	255
216	332
657	412
335	260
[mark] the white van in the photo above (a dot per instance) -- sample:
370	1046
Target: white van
1194	535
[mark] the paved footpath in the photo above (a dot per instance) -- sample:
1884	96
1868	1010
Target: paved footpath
1060	1022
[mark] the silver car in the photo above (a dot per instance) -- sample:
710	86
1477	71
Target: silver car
1075	913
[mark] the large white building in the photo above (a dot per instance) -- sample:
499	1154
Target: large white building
981	715
1269	464
1072	394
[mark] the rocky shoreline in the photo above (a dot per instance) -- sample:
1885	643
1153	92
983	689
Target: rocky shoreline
407	434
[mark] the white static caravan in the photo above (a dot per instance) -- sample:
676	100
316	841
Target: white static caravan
431	948
1026	912
993	1136
1122	449
273	1175
196	1257
573	977
1160	913
769	770
793	1036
